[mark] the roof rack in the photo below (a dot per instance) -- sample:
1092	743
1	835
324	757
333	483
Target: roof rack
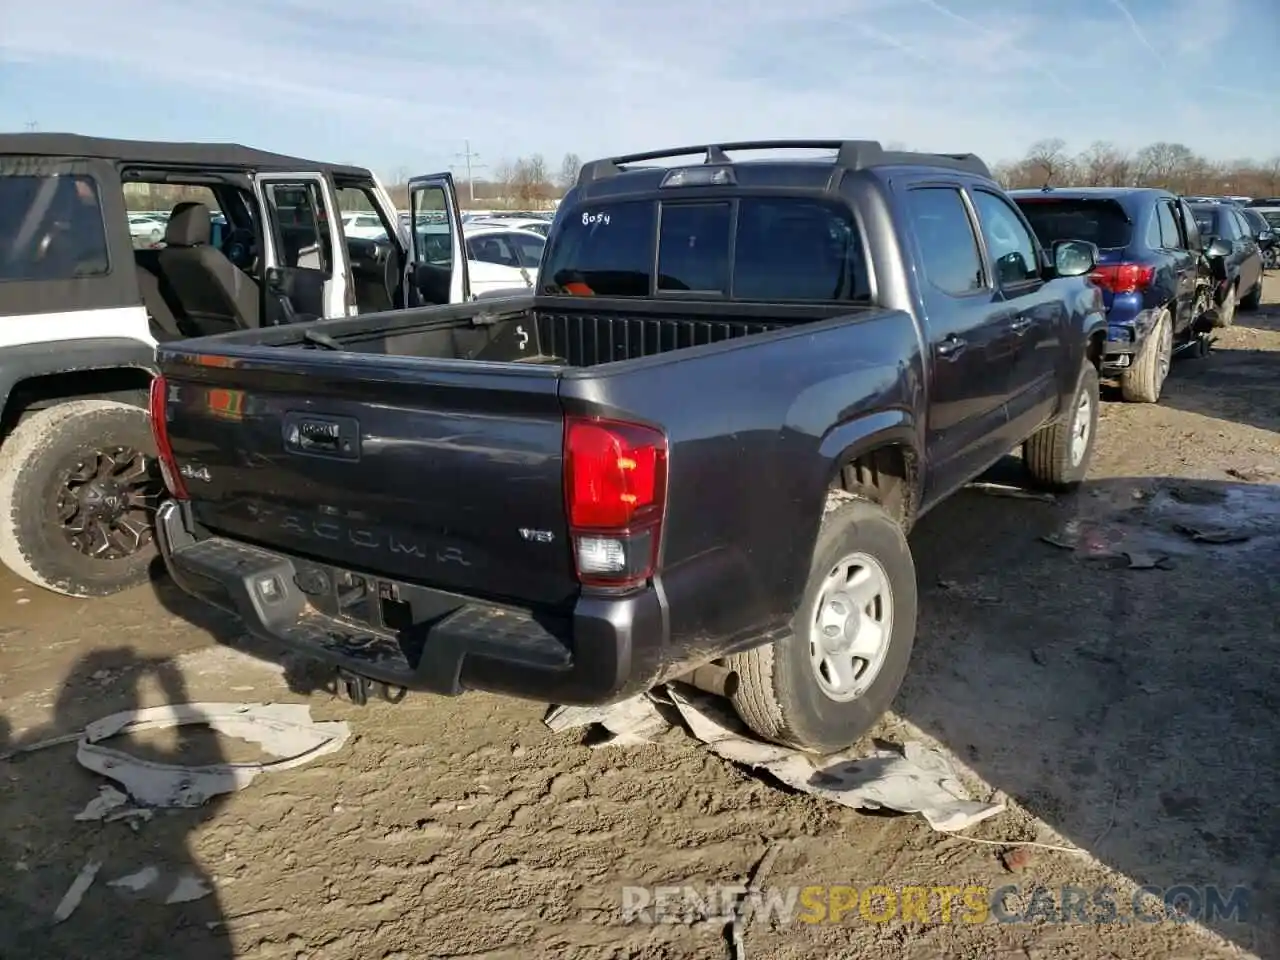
850	155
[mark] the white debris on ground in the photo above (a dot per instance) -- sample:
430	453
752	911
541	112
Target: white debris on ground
284	730
919	779
75	893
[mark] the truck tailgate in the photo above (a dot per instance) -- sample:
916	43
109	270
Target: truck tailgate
450	477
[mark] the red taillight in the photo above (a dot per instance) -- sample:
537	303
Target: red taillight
615	484
160	430
1123	277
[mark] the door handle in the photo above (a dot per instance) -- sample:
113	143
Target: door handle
1020	325
951	347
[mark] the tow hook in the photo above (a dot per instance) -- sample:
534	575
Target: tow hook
357	688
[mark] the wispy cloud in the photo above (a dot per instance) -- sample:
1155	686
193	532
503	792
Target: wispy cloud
410	79
1138	33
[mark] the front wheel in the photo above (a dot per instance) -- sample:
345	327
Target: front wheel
1253	299
823	685
1058	455
1227	309
79	487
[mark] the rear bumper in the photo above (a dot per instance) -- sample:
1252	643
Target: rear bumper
415	637
1125	336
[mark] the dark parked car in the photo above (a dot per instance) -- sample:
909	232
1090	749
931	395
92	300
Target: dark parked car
695	452
1154	280
1265	232
1234	258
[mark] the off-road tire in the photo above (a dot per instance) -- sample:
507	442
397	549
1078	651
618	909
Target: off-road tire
1227	310
777	694
1254	298
1047	452
1144	380
31	545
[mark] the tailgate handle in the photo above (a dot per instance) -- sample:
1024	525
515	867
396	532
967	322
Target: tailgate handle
317	435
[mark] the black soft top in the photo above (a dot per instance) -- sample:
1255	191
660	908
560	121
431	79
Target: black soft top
160	153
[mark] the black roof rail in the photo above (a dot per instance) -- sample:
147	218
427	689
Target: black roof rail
850	155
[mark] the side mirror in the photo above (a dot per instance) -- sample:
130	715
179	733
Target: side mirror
1074	258
1217	248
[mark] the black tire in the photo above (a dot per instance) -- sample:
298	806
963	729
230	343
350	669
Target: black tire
1143	381
1227	309
33	462
778	693
1048	453
1254	298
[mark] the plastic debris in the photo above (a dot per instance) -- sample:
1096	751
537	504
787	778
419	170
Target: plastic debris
1211	536
628	722
917	780
107	800
75	893
284	730
1015	493
136	882
188	888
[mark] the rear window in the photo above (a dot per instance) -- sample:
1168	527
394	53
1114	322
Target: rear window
1100	222
51	228
750	248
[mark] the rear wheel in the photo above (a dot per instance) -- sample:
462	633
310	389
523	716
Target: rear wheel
1143	382
1058	455
821	687
79	486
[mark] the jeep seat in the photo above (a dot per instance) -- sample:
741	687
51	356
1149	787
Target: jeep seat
216	296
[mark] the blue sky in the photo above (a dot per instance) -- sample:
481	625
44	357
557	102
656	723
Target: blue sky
398	85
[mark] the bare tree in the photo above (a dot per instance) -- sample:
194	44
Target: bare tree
1269	174
1103	164
570	167
1163	164
531	182
1047	160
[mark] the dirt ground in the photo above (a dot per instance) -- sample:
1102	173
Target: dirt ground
1128	712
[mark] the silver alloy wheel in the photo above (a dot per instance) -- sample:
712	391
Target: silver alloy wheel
1081	426
851	627
1166	348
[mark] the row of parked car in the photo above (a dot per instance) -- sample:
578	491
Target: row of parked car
1171	269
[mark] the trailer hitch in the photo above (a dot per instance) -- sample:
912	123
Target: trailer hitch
357	688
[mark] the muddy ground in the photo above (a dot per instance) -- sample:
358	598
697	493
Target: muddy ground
1128	712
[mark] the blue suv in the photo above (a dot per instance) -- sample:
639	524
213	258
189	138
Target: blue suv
1154	278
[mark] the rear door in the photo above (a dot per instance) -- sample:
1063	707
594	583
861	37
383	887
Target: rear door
305	269
1174	246
966	324
436	272
1037	313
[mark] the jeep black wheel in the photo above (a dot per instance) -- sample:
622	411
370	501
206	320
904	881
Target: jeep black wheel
79	487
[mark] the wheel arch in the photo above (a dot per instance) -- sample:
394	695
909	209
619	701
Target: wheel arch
37	375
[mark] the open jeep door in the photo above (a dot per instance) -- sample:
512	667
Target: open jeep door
436	272
304	255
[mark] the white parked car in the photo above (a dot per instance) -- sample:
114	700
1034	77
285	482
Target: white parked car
538	225
145	228
363	225
500	258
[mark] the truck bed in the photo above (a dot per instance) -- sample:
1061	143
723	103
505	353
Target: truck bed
554	333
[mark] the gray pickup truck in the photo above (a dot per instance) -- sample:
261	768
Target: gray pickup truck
695	451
